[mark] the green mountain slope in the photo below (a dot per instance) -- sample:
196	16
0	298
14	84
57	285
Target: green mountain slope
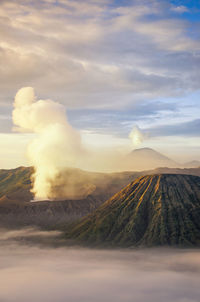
152	210
16	183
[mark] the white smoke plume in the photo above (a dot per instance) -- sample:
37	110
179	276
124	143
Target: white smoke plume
136	136
56	144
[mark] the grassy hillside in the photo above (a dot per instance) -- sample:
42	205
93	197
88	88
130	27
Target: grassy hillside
16	183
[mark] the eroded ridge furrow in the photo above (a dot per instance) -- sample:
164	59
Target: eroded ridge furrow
152	210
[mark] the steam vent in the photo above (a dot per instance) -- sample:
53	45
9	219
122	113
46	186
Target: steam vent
152	210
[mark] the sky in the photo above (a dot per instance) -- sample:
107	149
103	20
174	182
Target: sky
114	65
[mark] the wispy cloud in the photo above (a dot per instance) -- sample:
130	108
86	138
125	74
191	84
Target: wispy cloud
92	54
111	61
189	128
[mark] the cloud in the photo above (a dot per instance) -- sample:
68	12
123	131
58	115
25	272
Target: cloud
120	123
76	274
27	233
189	128
96	53
109	58
180	9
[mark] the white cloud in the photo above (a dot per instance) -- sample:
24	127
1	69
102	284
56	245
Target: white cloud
80	274
180	9
99	55
85	52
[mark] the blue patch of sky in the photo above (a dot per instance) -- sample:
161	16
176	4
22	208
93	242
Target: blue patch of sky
193	13
187	3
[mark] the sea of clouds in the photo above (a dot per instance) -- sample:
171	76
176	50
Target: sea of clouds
34	268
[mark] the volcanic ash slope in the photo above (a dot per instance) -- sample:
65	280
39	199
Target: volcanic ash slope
153	210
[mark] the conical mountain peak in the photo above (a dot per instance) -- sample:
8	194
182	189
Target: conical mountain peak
162	209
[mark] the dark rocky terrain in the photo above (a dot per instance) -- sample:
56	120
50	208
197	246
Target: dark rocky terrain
15	196
162	209
17	210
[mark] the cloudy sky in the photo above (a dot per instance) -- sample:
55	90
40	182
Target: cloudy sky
113	64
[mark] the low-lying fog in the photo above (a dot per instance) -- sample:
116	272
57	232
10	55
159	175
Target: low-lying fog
32	272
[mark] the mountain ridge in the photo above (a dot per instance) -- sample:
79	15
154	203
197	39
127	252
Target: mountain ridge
17	210
152	210
192	164
148	158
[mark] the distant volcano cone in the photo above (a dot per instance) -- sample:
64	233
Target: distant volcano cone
147	158
152	210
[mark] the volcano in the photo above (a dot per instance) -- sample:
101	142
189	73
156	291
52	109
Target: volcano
147	158
153	210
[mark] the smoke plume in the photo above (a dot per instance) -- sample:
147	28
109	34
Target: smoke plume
136	136
55	145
